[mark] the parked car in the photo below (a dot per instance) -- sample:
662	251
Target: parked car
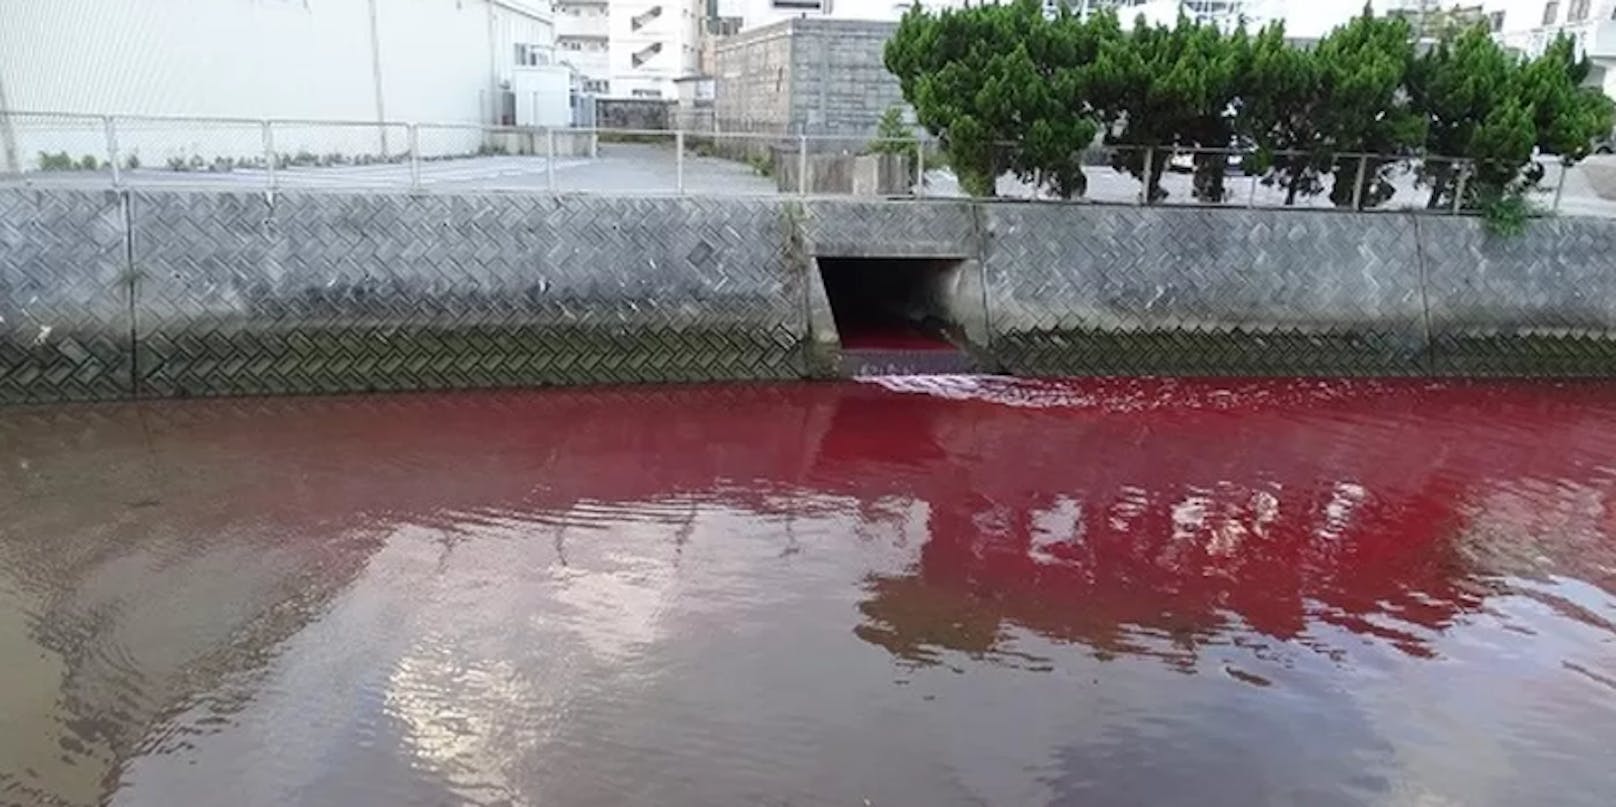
1183	162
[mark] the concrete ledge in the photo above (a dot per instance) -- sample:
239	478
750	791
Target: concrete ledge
154	294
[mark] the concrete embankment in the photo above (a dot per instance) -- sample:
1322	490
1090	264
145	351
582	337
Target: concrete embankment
110	295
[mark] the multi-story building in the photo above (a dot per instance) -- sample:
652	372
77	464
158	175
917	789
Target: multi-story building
628	48
1528	26
583	40
1226	14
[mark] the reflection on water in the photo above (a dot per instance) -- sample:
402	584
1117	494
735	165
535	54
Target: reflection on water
921	591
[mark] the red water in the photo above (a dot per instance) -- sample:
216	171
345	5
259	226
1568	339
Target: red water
893	338
912	591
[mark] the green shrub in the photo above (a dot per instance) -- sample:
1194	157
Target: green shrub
763	164
55	162
1506	214
1008	88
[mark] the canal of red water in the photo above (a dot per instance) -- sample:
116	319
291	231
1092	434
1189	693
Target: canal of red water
907	591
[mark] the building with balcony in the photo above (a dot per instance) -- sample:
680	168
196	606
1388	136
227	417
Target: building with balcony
583	39
628	48
1529	26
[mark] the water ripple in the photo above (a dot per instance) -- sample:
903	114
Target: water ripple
953	590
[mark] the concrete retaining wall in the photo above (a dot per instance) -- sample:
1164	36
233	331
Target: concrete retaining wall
156	294
173	294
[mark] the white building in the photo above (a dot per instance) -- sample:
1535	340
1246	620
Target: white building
1528	26
628	48
757	13
652	48
1226	14
469	61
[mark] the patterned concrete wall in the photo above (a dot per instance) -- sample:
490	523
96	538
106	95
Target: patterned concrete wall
223	293
1116	290
328	292
64	296
151	294
1544	304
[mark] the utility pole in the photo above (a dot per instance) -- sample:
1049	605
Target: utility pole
376	76
8	137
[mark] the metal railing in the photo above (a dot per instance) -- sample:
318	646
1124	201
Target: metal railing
134	151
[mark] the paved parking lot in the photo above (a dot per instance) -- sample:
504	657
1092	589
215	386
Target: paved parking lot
619	167
1590	188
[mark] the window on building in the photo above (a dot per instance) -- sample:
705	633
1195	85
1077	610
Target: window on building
1495	21
723	26
1578	11
799	5
1551	12
532	55
595	85
647	93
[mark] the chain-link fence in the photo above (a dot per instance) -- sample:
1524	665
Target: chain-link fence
79	150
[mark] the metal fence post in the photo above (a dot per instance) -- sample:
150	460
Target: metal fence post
549	157
1150	161
1459	191
1357	187
920	167
802	165
415	157
112	151
1559	186
269	152
679	161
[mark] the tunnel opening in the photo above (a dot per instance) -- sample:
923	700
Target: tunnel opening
894	315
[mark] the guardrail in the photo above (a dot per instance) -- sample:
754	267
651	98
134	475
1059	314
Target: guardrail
118	151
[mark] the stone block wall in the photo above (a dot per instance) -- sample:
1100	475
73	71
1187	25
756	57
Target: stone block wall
633	113
752	84
841	84
806	76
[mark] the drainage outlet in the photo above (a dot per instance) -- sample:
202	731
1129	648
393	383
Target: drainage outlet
894	316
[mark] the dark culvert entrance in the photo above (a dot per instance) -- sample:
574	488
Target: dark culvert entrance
893	314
